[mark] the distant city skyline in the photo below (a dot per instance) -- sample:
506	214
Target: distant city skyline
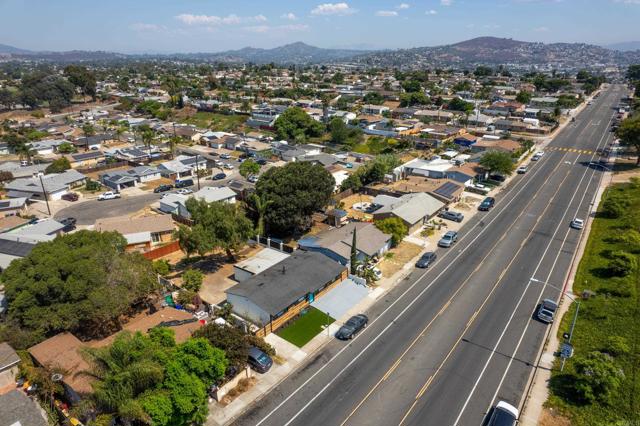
166	26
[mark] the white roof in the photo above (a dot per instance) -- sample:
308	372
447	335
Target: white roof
212	193
138	237
413	207
262	260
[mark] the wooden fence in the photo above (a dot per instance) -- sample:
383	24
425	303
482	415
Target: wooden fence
162	251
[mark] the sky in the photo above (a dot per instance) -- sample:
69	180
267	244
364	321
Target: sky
167	26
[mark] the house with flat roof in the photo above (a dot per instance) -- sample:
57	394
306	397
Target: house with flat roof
336	242
261	261
279	293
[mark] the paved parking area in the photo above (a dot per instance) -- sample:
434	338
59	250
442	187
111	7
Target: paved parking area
341	298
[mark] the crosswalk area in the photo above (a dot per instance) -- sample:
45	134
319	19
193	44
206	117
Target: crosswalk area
578	151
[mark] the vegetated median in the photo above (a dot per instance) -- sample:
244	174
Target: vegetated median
600	384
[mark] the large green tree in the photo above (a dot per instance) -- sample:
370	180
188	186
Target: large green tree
393	226
142	379
629	134
296	191
296	125
82	282
497	162
58	165
215	225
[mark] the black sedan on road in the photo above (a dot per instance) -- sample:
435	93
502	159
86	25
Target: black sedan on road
426	260
352	327
487	204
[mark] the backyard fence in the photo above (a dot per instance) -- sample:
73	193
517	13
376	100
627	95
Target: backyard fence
98	168
272	243
162	251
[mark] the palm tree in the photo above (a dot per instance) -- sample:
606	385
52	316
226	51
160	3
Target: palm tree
25	151
260	206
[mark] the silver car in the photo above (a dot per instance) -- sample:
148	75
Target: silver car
448	239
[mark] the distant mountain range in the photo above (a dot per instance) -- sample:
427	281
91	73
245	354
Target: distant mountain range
624	46
481	50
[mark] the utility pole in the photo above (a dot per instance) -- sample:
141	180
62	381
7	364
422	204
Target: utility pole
198	171
44	192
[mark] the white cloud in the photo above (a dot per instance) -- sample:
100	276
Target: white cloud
403	6
446	2
290	16
340	9
212	20
142	27
431	12
541	29
387	13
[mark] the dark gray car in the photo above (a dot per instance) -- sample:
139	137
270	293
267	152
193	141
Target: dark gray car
426	260
258	360
352	327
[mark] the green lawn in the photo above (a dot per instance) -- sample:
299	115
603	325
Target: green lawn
305	327
216	121
610	319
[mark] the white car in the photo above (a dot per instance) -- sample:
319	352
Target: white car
538	155
228	166
253	178
109	195
521	170
184	191
577	223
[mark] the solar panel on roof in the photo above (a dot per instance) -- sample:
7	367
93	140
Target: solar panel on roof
4	204
447	190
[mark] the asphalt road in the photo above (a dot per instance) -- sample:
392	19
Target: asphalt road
446	344
87	212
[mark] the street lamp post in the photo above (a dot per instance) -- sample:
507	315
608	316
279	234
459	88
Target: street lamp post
575	315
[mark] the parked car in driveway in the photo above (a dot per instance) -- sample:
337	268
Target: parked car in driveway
577	223
258	360
353	325
451	215
69	224
504	414
426	260
109	195
219	176
70	196
498	178
162	188
487	204
261	161
547	310
253	178
448	239
225	156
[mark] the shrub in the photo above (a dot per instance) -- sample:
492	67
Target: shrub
616	345
614	207
621	263
186	297
192	280
260	343
92	185
597	377
161	267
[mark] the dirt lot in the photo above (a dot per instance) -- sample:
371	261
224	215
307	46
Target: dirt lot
549	418
401	255
353	199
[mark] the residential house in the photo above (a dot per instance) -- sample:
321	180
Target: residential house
176	203
465	140
19	171
280	292
93	142
438	116
85	159
182	165
18	409
11	249
9	361
130	178
504	145
336	243
374	109
13	207
51	187
141	233
259	262
413	209
265	116
47	146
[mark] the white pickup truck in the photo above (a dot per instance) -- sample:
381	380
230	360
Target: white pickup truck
109	195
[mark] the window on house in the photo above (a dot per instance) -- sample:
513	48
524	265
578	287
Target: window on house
156	237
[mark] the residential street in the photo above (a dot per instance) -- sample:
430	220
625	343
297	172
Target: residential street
446	344
87	212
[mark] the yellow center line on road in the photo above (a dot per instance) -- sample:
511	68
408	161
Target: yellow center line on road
446	305
425	387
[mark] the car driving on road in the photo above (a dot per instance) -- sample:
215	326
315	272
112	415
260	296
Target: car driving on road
504	414
426	260
451	215
448	239
487	204
352	327
547	310
521	170
538	155
577	223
